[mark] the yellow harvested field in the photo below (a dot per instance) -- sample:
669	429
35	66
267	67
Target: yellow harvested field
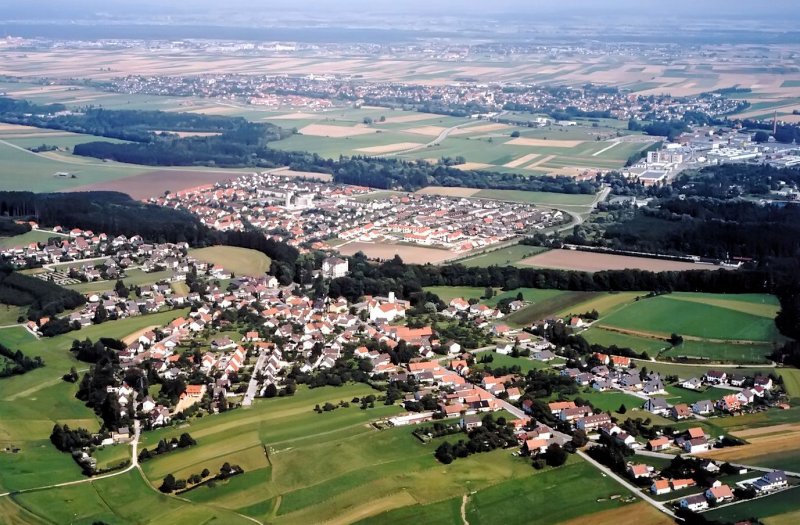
428	131
386	251
763	431
336	132
790	518
597	262
286	172
240	261
759	446
480	129
544	143
637	514
448	192
538	162
293	116
129	339
473	166
389	148
414	117
516	163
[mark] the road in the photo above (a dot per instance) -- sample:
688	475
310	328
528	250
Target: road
632	488
435	142
252	388
709	365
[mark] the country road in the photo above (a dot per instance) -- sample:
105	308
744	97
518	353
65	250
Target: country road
632	488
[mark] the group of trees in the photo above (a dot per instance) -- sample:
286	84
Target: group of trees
485	438
16	363
164	446
42	298
170	484
66	439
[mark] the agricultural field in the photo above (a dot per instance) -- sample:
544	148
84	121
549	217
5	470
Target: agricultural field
599	336
408	253
714	317
721	352
240	261
595	262
501	257
558	302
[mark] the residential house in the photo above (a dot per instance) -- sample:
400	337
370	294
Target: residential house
657	405
770	481
660	443
719	494
703	407
660	486
680	411
694	503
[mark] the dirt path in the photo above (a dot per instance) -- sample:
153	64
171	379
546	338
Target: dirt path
464	499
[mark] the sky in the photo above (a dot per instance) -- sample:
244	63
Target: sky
779	9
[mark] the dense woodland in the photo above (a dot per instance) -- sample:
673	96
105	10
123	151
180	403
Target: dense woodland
43	298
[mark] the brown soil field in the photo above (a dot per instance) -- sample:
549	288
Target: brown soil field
428	131
293	116
636	514
409	254
758	446
595	262
336	132
128	339
414	117
448	192
522	141
473	166
389	148
520	161
763	431
480	129
286	172
155	183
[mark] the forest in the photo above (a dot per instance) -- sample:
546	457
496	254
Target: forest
43	298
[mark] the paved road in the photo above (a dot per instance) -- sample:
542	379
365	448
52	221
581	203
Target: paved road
632	488
252	388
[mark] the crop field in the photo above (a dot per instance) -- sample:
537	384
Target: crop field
596	262
502	257
240	261
409	254
715	317
603	337
154	183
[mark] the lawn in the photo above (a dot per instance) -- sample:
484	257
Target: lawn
611	401
707	316
448	293
240	261
683	395
526	364
9	314
134	278
502	257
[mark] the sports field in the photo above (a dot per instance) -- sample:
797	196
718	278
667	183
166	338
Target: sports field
240	261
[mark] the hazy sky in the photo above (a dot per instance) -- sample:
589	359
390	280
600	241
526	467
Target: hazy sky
762	9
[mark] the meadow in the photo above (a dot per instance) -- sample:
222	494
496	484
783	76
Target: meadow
502	257
26	239
240	261
717	317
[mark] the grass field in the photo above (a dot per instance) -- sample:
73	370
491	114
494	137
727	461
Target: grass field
558	302
779	503
722	352
134	278
26	238
611	401
240	261
502	257
524	363
607	338
537	197
706	316
677	394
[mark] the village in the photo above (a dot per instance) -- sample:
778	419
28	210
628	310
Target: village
316	215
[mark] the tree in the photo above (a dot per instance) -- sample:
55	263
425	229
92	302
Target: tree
168	485
121	289
100	314
205	473
622	409
555	455
271	390
675	339
761	137
514	134
368	120
488	293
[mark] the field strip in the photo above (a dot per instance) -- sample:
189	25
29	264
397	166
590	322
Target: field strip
766	431
606	149
543	160
760	446
373	507
391	148
757	309
544	143
39	386
520	161
135	335
664	336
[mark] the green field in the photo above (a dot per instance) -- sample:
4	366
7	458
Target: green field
448	293
524	363
134	278
549	307
240	261
26	238
706	316
602	337
785	501
721	352
611	401
683	395
502	257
